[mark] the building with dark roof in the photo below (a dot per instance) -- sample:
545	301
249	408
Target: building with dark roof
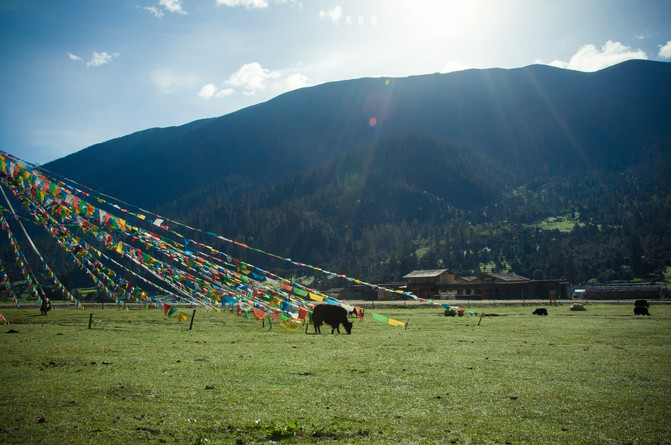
446	284
621	292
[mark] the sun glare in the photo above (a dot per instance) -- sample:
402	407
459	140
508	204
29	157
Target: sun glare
431	19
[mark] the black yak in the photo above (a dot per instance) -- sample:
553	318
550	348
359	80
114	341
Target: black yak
641	307
46	306
540	311
331	315
641	310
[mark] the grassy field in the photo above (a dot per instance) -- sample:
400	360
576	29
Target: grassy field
600	377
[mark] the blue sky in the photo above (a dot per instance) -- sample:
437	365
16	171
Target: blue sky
78	72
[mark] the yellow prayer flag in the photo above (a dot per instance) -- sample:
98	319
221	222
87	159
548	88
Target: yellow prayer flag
181	317
141	216
289	325
393	322
316	297
119	247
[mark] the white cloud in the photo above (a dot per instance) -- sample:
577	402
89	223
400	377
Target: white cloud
296	81
207	91
665	50
454	65
334	14
251	77
291	3
211	90
73	56
249	4
225	92
100	58
154	10
590	58
174	6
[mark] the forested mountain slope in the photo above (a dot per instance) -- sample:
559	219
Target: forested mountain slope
538	170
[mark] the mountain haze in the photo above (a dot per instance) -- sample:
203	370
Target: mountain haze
461	170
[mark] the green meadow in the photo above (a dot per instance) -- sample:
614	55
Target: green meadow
602	376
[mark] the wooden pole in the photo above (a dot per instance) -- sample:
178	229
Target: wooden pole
192	317
90	320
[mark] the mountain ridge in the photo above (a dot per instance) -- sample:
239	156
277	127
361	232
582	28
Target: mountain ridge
300	129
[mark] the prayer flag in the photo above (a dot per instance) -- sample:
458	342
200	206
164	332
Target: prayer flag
181	317
166	308
393	322
378	317
316	297
290	325
171	311
259	314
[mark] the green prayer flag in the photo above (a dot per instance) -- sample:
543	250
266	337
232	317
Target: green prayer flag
300	292
378	317
172	311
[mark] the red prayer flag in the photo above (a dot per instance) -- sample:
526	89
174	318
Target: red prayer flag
260	314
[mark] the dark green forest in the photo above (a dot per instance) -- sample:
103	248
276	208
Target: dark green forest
378	212
416	202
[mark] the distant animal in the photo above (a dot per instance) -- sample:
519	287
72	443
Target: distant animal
333	316
540	311
641	303
354	313
46	306
641	310
577	307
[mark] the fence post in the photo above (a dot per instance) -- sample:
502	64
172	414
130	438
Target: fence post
90	320
192	317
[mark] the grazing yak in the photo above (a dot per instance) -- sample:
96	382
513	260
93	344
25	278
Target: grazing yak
331	315
46	306
641	307
540	311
